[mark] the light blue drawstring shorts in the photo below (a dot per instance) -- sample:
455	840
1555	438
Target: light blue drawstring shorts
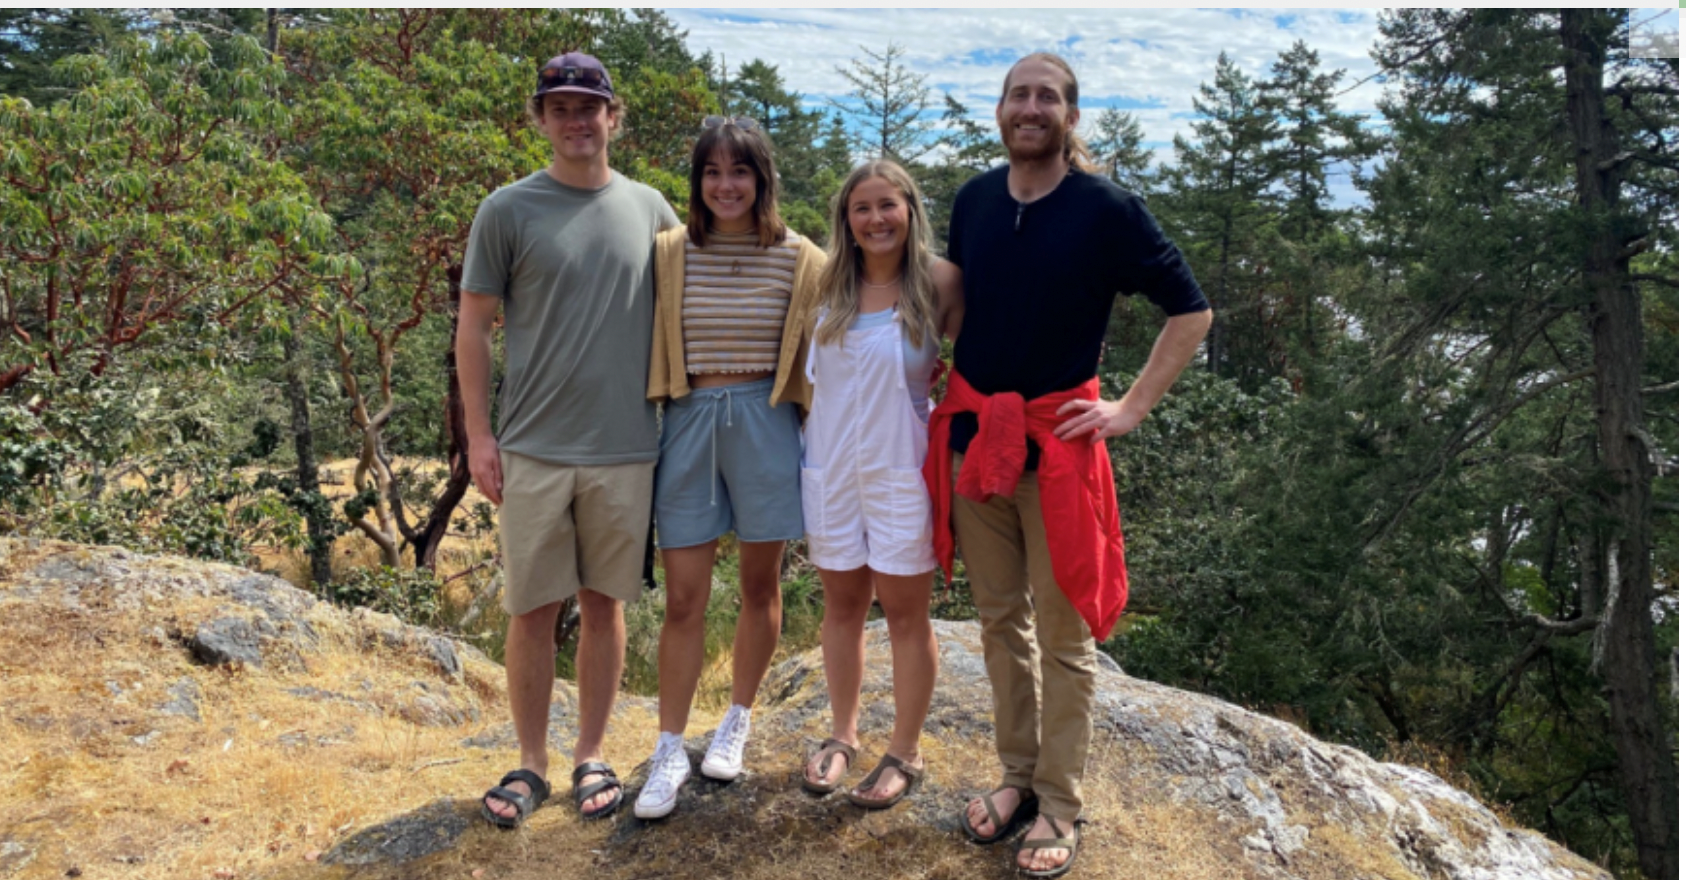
729	462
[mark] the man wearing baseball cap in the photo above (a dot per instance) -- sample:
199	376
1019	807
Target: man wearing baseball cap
566	253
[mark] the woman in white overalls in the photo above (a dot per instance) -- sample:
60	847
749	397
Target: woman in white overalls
884	301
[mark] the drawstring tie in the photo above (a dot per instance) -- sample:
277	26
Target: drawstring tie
715	400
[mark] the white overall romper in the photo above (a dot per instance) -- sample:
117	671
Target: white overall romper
863	494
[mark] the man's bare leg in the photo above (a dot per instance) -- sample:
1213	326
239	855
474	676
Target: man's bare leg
529	663
597	664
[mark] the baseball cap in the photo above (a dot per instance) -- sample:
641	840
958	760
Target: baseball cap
575	72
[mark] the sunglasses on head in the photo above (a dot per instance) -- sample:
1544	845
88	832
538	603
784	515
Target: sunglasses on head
591	78
743	122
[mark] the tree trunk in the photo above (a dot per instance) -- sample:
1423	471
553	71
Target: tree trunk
428	537
317	511
1626	650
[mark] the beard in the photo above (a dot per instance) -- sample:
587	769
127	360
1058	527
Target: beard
1052	147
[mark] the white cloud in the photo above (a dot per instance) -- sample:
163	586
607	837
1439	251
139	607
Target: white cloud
1150	61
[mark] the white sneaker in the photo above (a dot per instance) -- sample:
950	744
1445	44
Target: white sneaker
668	771
724	760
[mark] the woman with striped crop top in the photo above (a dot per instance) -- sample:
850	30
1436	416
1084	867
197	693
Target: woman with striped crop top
734	288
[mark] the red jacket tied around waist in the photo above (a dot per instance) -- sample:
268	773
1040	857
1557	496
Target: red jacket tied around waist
1079	505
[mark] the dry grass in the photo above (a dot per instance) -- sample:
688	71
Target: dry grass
93	778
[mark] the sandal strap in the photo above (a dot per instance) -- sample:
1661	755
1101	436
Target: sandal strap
995	819
590	767
581	795
910	773
1065	843
522	803
833	747
535	782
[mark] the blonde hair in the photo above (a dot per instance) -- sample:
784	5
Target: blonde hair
840	282
1076	149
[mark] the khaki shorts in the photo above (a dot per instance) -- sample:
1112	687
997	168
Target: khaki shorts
571	527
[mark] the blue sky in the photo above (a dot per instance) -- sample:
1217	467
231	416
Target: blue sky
1146	61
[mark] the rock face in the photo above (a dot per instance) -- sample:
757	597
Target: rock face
317	743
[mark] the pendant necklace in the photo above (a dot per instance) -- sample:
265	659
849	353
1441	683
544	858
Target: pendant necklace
880	285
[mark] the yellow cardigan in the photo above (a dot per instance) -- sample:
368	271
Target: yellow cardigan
668	378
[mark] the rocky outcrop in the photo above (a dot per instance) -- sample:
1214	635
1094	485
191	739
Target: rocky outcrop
192	720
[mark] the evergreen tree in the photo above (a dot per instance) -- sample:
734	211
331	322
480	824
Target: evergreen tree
1218	197
1115	140
33	40
1524	188
809	170
970	147
1315	136
889	103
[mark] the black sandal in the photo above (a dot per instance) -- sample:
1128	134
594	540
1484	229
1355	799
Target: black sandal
524	804
1025	809
609	780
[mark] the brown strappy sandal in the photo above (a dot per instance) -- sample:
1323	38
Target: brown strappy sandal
1025	809
1069	844
829	749
912	774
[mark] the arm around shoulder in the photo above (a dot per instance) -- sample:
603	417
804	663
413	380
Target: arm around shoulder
951	297
667	364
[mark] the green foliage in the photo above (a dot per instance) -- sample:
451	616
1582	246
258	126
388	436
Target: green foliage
411	595
137	215
32	41
117	461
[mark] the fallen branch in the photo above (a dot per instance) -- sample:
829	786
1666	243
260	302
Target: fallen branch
438	762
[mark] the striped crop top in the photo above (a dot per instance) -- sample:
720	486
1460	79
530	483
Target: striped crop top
736	297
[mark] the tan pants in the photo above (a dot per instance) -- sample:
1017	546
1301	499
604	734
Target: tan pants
1044	686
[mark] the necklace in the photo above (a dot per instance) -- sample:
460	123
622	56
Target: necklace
880	285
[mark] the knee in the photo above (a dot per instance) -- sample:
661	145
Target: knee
847	609
907	625
1075	657
762	594
686	608
598	611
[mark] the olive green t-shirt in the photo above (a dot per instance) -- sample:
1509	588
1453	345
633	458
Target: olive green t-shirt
574	268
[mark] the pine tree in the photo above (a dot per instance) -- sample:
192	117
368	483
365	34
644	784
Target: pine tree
1115	140
889	102
1315	135
1316	138
1219	196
